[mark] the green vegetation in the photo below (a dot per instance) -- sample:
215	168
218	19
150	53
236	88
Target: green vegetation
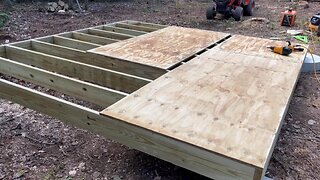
4	18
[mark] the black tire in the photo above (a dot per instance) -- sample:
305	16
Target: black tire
249	9
211	13
238	13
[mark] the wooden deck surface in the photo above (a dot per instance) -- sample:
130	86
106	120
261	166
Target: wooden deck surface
230	100
163	48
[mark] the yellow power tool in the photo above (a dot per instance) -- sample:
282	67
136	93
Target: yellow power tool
286	50
283	50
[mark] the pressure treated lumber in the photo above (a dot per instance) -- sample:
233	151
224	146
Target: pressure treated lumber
112	79
92	38
73	43
107	34
163	48
227	100
151	25
110	63
169	149
135	27
123	30
83	90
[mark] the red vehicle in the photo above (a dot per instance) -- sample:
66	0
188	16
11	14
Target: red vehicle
231	8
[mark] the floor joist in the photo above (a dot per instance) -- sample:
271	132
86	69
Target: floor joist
96	60
123	30
108	34
112	79
80	89
92	38
150	25
74	43
135	27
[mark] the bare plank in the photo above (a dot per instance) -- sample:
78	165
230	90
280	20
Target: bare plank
24	44
83	90
111	79
115	64
123	30
135	27
2	51
108	34
92	38
56	50
151	25
153	143
74	43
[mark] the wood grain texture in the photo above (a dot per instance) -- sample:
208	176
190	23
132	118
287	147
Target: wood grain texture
104	77
83	90
163	48
108	34
169	149
229	100
123	30
73	43
92	38
115	64
253	46
135	27
145	24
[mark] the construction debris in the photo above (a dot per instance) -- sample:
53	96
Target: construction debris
294	32
59	6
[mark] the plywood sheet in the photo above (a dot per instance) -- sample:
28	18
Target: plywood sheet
163	48
229	100
253	46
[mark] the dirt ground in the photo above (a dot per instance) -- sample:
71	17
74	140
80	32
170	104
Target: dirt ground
35	146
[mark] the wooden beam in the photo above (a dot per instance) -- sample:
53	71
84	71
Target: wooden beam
135	27
23	44
2	51
172	150
115	64
92	38
108	34
123	30
80	89
56	50
151	25
48	39
74	43
107	78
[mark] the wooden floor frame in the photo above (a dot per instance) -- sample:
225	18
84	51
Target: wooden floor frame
60	62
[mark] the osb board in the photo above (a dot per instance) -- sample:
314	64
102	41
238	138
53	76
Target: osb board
230	103
163	48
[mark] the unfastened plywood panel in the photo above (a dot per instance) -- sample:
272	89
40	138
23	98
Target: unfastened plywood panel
229	100
163	48
253	46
